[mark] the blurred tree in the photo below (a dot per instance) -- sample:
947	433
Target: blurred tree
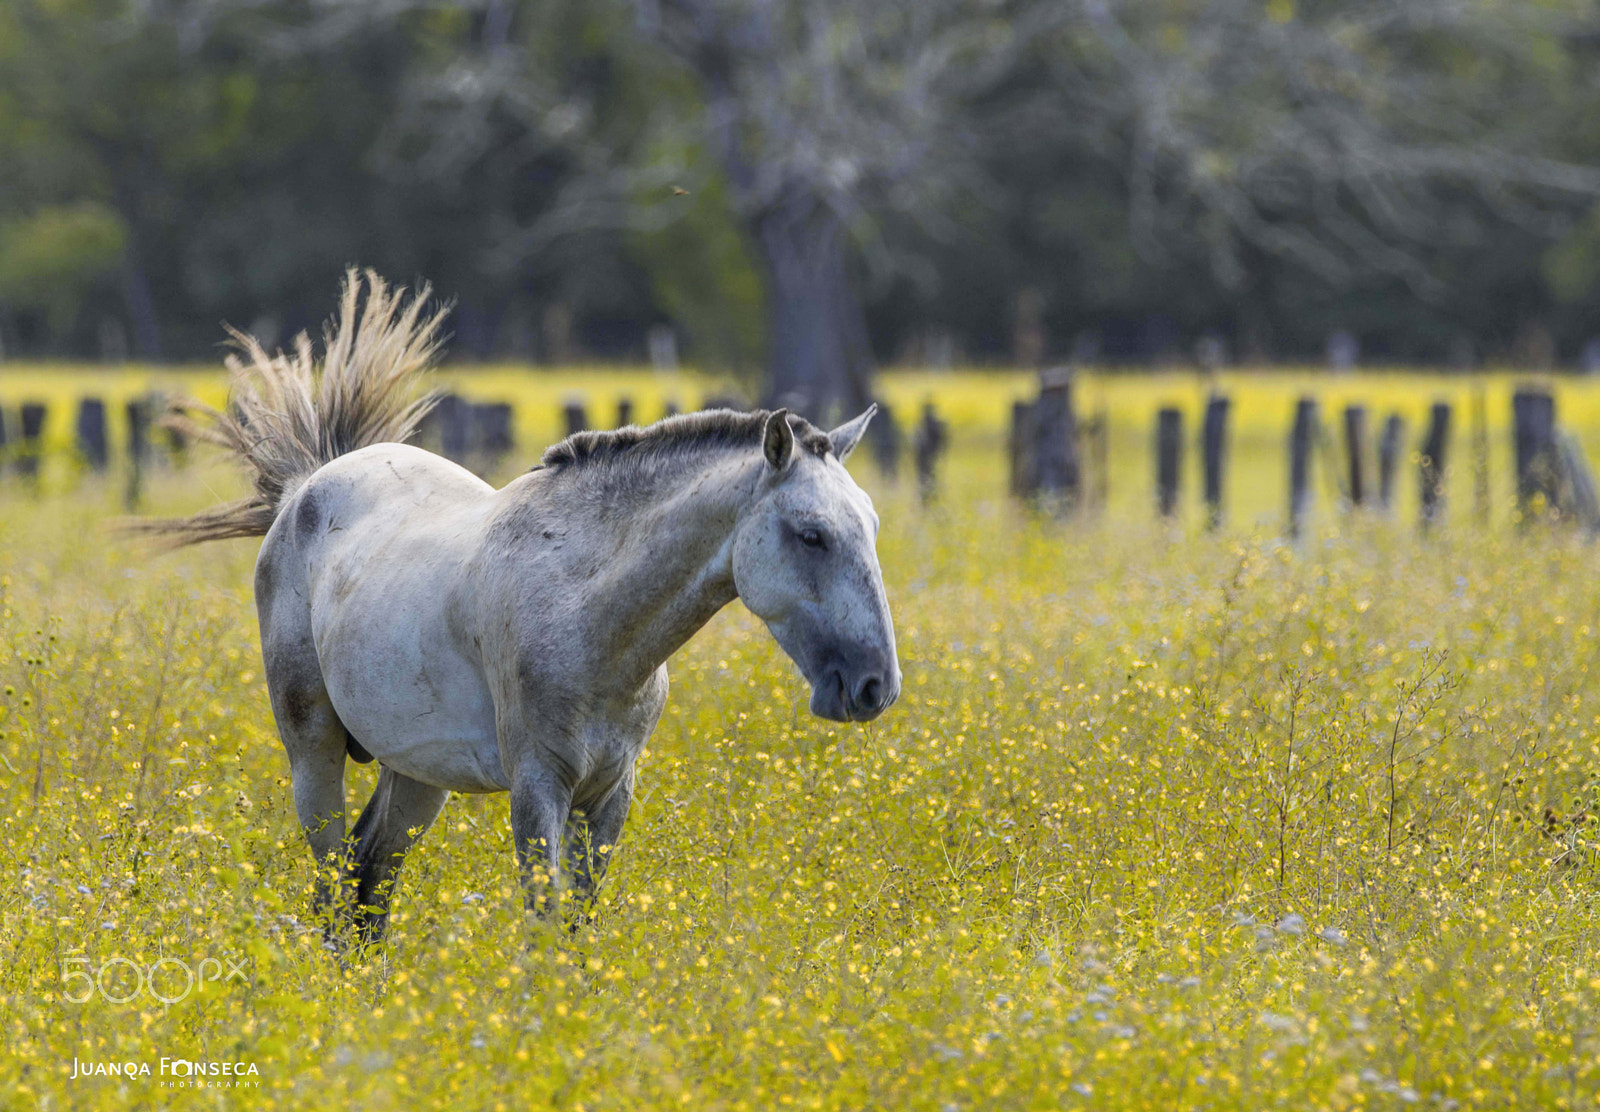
1357	145
802	124
149	115
786	180
52	258
253	149
825	118
704	279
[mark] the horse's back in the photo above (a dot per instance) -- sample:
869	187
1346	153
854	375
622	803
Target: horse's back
389	482
377	544
358	513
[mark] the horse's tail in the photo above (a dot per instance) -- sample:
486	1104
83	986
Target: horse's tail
290	414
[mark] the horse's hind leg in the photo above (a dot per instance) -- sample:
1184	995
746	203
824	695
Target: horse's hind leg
399	812
313	737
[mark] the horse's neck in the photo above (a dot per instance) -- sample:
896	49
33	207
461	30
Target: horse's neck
665	551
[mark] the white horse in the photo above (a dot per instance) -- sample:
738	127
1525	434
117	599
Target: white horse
479	640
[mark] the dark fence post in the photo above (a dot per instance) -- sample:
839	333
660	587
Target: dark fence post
671	409
1533	414
138	410
1355	448
1301	438
161	407
1214	447
574	416
1169	459
455	437
928	444
624	411
92	433
884	436
1056	450
33	418
1389	446
1435	450
1024	442
1099	451
494	428
177	442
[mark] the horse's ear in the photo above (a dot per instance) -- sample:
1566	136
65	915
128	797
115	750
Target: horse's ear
843	440
777	443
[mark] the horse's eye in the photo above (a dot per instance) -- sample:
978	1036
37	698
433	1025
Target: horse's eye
811	538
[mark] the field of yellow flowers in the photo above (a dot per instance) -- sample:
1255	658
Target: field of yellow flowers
1163	819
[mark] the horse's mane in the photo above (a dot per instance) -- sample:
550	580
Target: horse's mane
708	429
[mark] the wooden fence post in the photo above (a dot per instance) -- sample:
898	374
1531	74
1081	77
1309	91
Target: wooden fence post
929	441
33	418
161	406
1169	459
1301	439
1099	452
138	411
455	437
884	435
1214	448
494	429
92	433
1056	441
573	415
1355	449
1533	415
1024	441
1389	446
1435	449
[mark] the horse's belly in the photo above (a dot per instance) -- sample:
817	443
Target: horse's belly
458	763
447	743
408	696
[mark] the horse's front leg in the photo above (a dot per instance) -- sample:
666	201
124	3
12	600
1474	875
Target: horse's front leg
540	802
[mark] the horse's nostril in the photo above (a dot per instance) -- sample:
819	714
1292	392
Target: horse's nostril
870	695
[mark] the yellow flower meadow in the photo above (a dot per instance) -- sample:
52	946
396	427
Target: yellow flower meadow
1163	819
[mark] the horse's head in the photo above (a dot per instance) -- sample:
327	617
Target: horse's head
804	562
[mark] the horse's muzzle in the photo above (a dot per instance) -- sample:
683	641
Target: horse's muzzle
859	699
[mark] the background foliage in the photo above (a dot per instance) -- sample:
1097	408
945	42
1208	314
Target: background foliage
1011	181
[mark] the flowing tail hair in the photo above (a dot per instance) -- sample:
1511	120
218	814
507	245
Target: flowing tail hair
288	414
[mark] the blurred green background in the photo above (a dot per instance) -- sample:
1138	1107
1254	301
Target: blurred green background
795	194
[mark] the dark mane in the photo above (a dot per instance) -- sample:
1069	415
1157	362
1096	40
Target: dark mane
707	429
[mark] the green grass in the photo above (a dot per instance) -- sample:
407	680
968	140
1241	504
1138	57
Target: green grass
1161	820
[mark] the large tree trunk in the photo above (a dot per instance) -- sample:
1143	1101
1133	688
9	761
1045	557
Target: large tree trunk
819	362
